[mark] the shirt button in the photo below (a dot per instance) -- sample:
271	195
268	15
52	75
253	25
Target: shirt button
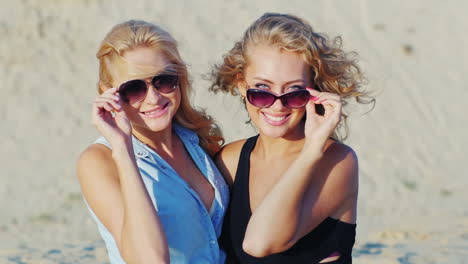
212	242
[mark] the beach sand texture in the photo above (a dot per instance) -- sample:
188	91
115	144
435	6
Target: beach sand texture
412	146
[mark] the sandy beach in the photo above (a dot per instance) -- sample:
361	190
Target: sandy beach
411	147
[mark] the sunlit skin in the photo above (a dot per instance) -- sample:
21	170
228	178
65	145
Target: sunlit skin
151	119
111	176
278	72
156	111
298	175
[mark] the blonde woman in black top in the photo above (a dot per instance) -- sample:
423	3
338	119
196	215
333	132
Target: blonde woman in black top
294	185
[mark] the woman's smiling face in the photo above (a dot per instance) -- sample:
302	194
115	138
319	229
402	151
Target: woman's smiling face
277	71
156	110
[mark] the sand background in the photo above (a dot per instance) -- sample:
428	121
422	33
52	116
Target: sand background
412	146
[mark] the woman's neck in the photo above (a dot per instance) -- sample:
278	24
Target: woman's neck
271	148
161	142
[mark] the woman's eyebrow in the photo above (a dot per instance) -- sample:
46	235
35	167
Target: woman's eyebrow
262	79
270	82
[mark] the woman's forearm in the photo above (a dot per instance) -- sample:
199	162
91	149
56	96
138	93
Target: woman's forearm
277	219
142	237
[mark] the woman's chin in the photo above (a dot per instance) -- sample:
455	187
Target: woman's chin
155	124
273	132
282	131
159	125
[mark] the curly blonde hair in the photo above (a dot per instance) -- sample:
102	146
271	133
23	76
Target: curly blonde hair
333	70
134	33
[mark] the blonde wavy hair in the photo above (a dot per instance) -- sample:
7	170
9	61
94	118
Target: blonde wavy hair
134	33
333	70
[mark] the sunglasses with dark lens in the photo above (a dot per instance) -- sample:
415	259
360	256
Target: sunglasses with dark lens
135	90
263	99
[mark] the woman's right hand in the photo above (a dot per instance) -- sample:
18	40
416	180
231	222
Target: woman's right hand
318	128
109	117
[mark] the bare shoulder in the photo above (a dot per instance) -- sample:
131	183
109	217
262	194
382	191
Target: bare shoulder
227	158
339	165
95	151
100	185
95	158
334	188
340	154
97	172
342	181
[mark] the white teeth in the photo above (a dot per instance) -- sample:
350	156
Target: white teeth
154	111
150	113
275	118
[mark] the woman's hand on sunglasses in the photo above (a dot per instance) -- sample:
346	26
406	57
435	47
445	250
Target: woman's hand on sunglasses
318	128
110	119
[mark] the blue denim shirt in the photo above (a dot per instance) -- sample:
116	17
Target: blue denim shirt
191	230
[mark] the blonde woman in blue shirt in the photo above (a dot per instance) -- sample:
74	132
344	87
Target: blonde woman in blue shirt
149	181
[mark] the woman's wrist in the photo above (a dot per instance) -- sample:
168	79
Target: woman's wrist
314	147
122	149
311	154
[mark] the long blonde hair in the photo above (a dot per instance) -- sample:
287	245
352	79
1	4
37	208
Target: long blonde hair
333	70
134	33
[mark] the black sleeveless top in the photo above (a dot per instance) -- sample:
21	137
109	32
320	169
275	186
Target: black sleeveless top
329	236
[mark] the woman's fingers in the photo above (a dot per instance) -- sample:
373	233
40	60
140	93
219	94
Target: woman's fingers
115	105
101	113
310	108
110	93
332	108
112	90
110	96
104	109
322	96
330	101
104	106
312	92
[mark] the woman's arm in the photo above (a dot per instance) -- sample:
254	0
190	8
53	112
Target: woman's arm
111	183
320	182
114	190
305	195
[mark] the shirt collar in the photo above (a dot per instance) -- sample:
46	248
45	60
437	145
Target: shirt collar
139	148
185	133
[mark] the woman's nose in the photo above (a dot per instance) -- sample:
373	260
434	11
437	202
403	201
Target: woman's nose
153	94
277	105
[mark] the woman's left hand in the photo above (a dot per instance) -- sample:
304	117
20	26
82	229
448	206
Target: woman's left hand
318	128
